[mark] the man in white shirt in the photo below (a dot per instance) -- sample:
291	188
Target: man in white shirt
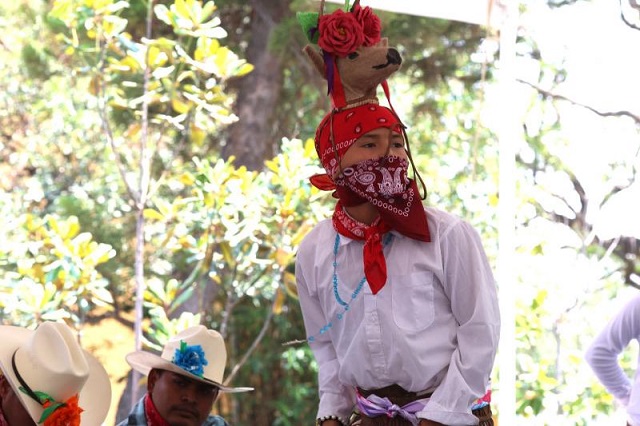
603	353
399	301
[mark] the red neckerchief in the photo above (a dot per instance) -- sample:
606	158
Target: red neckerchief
3	421
375	267
383	183
153	417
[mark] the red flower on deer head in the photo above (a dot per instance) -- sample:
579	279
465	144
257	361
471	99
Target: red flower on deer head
341	33
370	24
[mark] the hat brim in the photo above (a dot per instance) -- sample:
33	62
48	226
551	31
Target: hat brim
94	398
143	362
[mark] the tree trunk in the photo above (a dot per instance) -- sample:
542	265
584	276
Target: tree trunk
251	138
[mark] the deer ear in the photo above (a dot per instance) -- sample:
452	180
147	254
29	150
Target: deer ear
384	42
316	59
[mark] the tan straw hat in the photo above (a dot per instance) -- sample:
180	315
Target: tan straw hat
48	364
196	352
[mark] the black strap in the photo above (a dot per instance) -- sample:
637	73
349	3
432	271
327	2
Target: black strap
25	387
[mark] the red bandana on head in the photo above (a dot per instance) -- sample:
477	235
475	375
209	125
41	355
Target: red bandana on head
340	129
381	182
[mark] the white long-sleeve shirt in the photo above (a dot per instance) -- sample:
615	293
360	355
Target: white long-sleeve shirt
603	353
434	326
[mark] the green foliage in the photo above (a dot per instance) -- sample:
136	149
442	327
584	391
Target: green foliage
309	21
236	229
162	328
232	233
51	267
221	241
532	364
187	72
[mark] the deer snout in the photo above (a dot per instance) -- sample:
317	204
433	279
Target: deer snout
393	57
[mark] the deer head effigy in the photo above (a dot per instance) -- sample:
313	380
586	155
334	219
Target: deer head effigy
353	57
355	60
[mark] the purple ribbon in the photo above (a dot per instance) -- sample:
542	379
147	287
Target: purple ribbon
374	406
330	65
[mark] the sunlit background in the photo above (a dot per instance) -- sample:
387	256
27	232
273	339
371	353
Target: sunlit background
534	139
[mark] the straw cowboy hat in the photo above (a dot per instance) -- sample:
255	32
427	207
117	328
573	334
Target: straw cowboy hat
50	360
196	352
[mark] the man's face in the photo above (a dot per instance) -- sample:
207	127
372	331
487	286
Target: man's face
179	400
14	412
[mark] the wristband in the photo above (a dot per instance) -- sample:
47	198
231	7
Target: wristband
322	419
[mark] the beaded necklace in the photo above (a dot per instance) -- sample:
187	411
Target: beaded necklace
334	280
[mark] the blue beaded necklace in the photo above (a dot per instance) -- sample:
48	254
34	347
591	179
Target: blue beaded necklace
345	305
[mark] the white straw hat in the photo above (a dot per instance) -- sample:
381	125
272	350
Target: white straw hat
196	352
50	360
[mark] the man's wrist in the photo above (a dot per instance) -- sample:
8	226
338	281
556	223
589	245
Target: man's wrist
329	420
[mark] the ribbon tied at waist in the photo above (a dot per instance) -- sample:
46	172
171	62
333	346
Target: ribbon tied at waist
374	406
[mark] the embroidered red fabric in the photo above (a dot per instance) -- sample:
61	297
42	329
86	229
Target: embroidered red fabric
340	129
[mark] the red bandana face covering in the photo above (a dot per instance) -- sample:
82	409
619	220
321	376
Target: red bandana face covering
383	183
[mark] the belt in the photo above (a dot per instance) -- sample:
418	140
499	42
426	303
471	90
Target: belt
396	394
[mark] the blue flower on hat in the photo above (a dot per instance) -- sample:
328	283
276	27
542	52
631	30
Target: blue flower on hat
190	358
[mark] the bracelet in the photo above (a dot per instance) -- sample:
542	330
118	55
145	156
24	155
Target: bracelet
322	419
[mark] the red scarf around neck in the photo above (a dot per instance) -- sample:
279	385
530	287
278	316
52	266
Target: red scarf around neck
151	412
375	267
3	421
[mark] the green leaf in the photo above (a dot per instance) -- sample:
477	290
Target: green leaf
162	13
184	296
309	21
153	214
207	10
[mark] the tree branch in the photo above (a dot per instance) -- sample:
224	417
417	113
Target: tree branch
254	344
102	112
634	5
634	117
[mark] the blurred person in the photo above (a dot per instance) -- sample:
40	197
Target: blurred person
602	356
48	379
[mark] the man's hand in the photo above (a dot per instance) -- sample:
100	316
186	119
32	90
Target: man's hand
425	422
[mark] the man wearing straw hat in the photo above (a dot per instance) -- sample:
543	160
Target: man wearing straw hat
48	379
183	382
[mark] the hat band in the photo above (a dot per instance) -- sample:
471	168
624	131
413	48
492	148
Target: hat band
25	387
71	410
